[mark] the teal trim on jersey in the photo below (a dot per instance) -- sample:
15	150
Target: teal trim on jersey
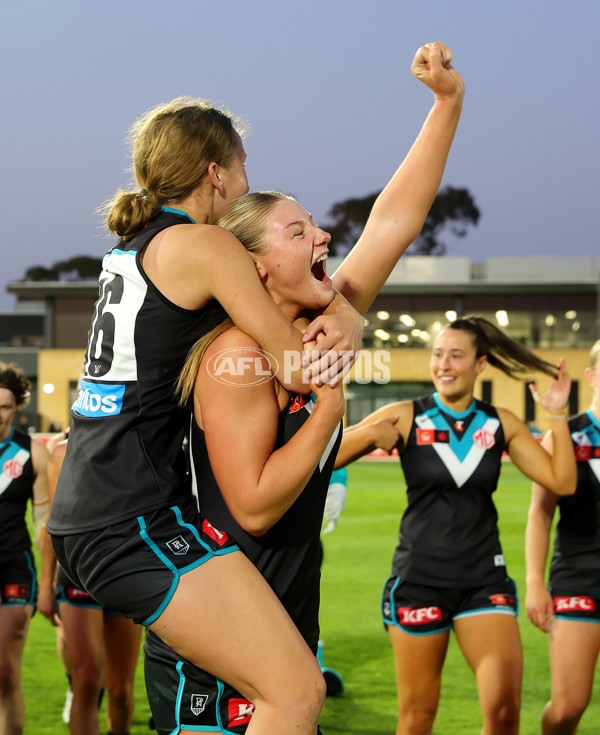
456	414
9	437
340	476
593	419
118	251
177	211
463	445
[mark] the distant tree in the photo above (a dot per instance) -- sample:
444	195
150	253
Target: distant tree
453	209
78	268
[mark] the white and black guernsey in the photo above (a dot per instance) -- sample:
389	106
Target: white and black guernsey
451	462
124	457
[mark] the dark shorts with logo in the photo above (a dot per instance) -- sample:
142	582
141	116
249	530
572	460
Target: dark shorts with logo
184	697
568	606
18	579
134	566
421	610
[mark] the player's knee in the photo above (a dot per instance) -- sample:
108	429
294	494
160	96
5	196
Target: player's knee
568	711
504	712
416	719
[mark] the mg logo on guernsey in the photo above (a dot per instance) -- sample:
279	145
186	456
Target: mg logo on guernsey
483	439
239	711
579	604
12	468
99	400
419	615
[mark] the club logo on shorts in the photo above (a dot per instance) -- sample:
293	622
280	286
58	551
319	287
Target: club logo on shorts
198	703
483	439
419	615
178	545
12	468
239	711
578	604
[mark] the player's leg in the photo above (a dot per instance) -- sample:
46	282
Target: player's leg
224	618
14	624
491	645
122	645
419	660
574	646
83	636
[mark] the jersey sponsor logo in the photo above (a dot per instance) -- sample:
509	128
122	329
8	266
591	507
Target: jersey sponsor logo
216	535
198	703
483	439
12	468
432	436
419	615
242	367
99	400
178	546
239	711
579	604
501	599
499	560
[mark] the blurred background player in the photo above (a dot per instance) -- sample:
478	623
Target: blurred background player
23	478
569	609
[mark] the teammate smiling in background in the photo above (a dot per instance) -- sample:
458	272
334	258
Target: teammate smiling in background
448	568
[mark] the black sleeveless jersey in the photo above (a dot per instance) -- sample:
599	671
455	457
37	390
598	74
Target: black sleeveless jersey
451	462
575	564
124	456
288	555
16	489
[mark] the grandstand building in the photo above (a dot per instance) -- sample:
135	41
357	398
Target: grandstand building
550	304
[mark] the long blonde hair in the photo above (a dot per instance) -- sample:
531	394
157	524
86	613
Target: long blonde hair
247	219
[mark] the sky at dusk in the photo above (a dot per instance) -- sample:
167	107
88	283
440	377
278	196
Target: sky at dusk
326	89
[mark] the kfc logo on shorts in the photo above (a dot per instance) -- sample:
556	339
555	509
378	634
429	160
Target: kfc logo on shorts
216	535
198	703
12	468
178	545
578	604
483	439
419	615
240	711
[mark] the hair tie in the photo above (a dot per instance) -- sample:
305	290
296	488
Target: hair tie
144	194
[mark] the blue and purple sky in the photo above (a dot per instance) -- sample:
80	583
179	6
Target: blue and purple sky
326	88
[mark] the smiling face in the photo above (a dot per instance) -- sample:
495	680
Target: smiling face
8	406
454	367
291	263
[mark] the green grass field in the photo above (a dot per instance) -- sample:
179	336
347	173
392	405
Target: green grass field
357	561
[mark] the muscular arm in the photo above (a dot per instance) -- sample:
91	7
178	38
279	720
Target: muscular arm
400	210
259	483
365	437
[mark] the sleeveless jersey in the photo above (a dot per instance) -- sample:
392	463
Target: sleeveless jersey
288	554
124	456
16	489
575	563
451	462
